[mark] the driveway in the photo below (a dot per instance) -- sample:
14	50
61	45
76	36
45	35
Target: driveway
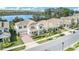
28	41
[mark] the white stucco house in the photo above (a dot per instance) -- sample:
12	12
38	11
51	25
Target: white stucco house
23	27
69	20
31	27
4	31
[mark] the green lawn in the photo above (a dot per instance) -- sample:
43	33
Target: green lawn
18	49
18	41
45	35
11	44
70	49
76	45
42	41
15	40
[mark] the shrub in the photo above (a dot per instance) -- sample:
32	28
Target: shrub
76	45
70	49
6	45
50	39
62	34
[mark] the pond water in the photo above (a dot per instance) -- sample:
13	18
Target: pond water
11	17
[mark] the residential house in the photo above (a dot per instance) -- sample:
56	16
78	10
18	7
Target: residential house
67	21
31	27
25	27
4	31
50	23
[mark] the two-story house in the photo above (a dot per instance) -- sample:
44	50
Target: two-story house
4	31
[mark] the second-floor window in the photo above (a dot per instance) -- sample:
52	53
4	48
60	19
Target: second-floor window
41	26
20	27
25	26
0	32
6	30
32	27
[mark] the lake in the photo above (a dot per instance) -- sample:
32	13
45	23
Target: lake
11	17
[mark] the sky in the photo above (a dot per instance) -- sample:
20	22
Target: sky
33	8
40	3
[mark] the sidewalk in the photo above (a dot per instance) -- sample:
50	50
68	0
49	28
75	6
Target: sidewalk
27	45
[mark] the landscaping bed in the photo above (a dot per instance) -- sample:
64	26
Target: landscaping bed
45	35
18	41
42	41
17	49
11	44
73	47
70	49
76	45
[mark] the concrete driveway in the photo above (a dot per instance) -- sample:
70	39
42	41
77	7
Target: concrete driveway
28	41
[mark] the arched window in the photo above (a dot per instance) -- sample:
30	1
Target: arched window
20	27
5	29
32	27
41	26
25	26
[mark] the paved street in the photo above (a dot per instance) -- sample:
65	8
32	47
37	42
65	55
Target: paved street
57	44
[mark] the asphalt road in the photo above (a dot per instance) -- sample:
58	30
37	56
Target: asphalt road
57	44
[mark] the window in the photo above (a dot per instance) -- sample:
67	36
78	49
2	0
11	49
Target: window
20	27
5	29
0	32
40	27
64	25
25	26
32	27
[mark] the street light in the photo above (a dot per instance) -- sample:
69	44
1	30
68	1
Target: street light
62	46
